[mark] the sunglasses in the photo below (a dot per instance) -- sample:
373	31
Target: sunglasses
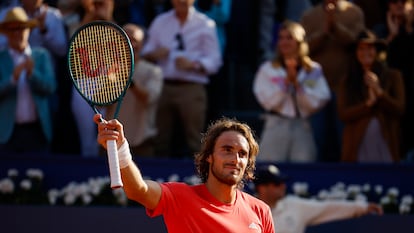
180	41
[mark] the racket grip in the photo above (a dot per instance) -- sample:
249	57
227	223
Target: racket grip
114	170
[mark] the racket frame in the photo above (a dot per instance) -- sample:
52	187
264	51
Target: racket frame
113	162
131	71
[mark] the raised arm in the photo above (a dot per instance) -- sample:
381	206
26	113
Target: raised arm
145	192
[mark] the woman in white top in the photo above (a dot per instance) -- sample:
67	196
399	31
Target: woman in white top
290	88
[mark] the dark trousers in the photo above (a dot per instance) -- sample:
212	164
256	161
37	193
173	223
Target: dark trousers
26	138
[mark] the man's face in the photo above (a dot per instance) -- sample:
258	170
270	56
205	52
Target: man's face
18	36
229	159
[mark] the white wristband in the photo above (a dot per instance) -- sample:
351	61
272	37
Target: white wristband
124	155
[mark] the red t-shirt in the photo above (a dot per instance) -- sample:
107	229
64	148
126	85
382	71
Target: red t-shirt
188	208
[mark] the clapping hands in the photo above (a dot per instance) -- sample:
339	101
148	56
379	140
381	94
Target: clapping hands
374	88
291	70
27	66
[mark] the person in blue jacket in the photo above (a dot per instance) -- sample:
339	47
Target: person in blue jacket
27	81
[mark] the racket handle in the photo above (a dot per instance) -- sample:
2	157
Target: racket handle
114	170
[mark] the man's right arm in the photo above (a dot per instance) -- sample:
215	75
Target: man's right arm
145	192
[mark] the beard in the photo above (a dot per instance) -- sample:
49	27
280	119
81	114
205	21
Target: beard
229	179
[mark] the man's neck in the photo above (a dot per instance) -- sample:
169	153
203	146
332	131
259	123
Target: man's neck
182	16
222	192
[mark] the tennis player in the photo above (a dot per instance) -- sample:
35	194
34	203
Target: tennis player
226	161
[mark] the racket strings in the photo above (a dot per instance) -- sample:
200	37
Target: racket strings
100	63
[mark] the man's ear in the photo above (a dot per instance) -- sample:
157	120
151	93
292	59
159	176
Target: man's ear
209	158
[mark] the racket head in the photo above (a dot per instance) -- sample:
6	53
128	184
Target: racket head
101	62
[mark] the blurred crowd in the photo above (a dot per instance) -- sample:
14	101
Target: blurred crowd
332	79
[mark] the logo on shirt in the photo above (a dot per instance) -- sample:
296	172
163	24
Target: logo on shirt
254	226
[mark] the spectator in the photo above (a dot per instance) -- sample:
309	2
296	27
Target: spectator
140	102
50	34
226	160
27	81
293	214
290	88
398	32
329	46
371	104
184	43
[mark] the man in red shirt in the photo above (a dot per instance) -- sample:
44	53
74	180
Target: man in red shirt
226	161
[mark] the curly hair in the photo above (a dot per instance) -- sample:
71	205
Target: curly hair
208	142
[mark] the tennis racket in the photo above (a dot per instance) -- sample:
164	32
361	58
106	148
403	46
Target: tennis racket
101	64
